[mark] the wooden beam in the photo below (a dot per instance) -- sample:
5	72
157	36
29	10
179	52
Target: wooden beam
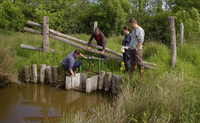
85	48
34	48
32	30
83	42
34	24
45	27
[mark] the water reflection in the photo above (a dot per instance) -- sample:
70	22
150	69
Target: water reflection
42	103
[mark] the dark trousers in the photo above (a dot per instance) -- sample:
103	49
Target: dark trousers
102	50
136	57
76	65
126	60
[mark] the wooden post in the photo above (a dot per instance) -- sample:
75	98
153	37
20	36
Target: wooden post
55	73
181	33
173	40
95	25
116	79
26	74
101	78
49	74
42	73
108	80
34	73
45	27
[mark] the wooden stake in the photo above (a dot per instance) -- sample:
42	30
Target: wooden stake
173	40
101	78
108	80
34	73
49	74
42	73
181	33
45	27
26	74
55	73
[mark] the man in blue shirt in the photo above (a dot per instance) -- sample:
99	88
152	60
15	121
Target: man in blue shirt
70	62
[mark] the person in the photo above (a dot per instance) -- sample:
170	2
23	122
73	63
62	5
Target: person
100	38
125	48
70	63
135	46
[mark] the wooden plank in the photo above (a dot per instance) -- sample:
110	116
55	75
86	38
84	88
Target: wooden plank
34	48
34	24
32	30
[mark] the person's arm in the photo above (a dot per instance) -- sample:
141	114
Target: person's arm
83	56
90	40
71	71
140	37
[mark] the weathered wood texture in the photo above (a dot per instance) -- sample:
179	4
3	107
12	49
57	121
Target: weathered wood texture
181	33
101	78
173	40
85	48
42	73
83	42
45	28
95	25
26	72
116	81
49	74
55	74
34	67
108	80
34	48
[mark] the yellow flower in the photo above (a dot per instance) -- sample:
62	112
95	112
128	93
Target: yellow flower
135	66
121	68
122	63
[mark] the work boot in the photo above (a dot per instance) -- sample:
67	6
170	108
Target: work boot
141	74
132	69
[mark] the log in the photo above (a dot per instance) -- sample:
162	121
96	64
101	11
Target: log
55	74
26	74
24	46
85	48
42	73
173	40
32	30
108	80
116	79
101	78
45	27
34	73
83	42
34	24
49	74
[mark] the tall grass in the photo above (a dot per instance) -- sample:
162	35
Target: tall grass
165	95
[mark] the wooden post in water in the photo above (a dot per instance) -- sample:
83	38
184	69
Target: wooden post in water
108	80
181	33
95	25
42	73
34	73
45	27
49	74
173	40
116	79
101	78
55	73
26	74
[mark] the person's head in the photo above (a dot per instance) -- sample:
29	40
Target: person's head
133	23
126	30
97	31
77	53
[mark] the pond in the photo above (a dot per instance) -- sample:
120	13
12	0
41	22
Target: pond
35	103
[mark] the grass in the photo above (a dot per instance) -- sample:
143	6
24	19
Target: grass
166	94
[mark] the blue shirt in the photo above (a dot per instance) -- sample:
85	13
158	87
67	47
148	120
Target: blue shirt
70	60
127	40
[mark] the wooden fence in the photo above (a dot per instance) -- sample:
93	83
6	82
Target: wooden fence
69	40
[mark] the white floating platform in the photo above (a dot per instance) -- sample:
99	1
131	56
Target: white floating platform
76	82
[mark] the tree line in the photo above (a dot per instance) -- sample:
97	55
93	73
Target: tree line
78	16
